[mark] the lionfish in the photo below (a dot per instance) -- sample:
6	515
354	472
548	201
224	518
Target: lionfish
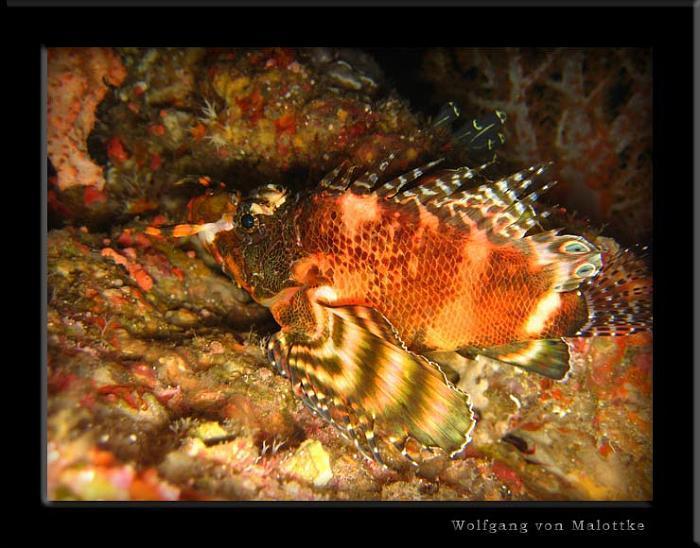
367	276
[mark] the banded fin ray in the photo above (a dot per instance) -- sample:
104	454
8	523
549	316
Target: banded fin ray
432	190
338	179
322	402
330	180
447	182
341	178
371	385
365	183
547	357
391	188
504	207
277	353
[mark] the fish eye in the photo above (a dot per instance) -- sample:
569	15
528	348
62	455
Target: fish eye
247	221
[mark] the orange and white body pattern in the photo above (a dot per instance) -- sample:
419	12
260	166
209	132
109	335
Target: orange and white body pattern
442	287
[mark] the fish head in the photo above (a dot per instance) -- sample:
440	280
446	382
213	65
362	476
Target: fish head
250	238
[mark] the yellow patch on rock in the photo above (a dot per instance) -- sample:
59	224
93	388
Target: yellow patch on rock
209	430
310	462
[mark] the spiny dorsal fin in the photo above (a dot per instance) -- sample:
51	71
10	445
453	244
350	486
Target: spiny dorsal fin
548	357
503	208
331	178
341	178
365	183
391	188
433	189
450	181
334	181
519	217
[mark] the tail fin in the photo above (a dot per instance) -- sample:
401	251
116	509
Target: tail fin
619	298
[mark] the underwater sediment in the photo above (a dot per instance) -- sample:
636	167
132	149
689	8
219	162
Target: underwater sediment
158	386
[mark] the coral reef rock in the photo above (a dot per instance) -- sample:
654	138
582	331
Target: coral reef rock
587	110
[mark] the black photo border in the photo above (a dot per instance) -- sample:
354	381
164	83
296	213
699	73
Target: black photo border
667	30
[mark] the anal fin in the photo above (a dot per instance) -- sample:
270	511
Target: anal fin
547	357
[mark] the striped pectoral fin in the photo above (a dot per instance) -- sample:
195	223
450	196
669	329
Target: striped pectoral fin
548	357
360	376
406	394
278	352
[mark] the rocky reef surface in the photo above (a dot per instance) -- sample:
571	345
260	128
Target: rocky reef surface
157	385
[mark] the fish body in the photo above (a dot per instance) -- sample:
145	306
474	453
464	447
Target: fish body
366	276
443	287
